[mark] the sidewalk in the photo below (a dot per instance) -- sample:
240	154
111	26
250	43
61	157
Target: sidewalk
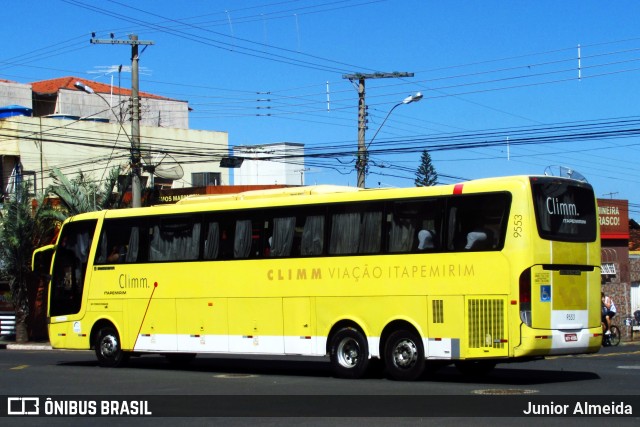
8	343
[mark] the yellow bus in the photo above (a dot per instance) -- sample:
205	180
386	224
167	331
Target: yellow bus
477	273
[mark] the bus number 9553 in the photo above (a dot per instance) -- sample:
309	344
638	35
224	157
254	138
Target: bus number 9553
517	225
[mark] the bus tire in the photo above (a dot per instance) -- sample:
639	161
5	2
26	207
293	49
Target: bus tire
404	355
349	353
109	348
475	368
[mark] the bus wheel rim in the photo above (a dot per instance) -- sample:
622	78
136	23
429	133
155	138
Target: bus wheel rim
109	346
405	354
348	353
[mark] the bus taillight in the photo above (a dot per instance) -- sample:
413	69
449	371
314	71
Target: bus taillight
525	297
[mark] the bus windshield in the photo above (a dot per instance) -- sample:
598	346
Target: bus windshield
565	210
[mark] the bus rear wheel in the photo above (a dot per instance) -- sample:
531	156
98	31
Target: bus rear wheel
349	353
404	356
109	348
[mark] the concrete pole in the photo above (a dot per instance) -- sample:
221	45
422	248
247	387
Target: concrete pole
136	186
361	165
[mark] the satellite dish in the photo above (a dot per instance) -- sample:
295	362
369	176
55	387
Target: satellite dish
164	166
564	172
169	171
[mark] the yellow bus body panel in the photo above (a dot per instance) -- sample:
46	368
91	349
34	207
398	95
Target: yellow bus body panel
464	305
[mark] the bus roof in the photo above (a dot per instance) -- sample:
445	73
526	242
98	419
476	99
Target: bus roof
282	196
271	193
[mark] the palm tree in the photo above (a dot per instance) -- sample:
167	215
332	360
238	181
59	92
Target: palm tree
24	228
80	195
21	231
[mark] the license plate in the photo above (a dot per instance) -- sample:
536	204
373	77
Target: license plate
570	337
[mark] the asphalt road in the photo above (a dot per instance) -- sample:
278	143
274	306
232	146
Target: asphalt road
299	390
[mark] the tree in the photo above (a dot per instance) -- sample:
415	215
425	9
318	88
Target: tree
28	223
79	195
426	174
21	231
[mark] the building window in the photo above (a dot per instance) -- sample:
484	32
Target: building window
203	179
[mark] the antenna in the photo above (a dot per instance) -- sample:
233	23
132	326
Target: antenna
163	166
564	172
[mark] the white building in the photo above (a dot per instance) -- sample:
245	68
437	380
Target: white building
73	130
279	163
62	96
13	93
41	144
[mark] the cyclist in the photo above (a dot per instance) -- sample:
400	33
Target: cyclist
608	311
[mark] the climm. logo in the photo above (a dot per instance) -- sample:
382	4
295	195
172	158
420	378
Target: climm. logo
554	207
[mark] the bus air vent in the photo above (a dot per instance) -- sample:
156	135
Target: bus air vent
486	323
437	308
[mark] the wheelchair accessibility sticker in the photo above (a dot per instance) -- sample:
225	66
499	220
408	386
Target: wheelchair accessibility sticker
545	293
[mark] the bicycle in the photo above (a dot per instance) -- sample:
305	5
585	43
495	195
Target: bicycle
612	339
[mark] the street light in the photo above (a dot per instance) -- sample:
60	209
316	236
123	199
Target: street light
86	88
83	87
363	154
136	188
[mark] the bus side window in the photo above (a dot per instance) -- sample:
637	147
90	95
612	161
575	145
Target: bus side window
102	254
355	229
123	241
112	247
212	241
401	231
134	245
408	223
242	239
226	239
312	241
477	222
345	231
248	240
174	238
370	233
281	241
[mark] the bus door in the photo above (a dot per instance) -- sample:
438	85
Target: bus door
69	272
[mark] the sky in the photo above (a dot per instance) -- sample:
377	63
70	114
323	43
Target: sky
509	87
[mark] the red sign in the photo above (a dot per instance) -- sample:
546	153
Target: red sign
614	218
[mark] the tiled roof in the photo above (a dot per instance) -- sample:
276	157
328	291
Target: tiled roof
52	86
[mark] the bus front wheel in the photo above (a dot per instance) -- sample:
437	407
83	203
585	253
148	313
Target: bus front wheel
349	353
404	356
109	348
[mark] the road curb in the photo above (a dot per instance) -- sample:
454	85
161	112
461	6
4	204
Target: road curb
26	346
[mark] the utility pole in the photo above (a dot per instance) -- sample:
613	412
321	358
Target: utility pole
136	187
361	163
